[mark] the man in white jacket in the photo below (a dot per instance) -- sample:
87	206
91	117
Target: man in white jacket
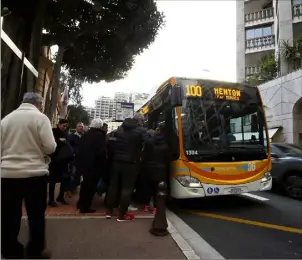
26	142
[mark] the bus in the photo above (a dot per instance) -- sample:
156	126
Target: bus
217	134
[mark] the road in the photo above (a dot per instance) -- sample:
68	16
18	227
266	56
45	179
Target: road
250	226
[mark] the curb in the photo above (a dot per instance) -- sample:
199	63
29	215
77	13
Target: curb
192	245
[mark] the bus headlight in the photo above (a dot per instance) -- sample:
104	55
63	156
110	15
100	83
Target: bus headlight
188	181
267	177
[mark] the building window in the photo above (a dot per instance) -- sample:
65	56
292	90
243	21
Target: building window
259	32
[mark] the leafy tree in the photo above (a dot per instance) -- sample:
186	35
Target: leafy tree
293	53
268	71
97	39
77	113
74	87
102	42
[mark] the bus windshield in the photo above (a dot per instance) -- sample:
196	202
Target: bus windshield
219	129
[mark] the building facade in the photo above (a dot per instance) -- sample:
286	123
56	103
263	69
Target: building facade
262	27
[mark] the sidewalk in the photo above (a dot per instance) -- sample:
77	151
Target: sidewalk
71	210
99	238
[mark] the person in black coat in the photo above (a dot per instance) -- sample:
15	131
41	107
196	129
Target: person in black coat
155	161
58	168
127	154
90	163
74	141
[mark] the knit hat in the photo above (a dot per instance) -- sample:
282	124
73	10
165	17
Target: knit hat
96	123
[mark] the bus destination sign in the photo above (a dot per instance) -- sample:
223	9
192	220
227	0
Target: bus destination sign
227	93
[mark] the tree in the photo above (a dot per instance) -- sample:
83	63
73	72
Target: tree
77	113
97	39
102	42
74	87
267	71
293	53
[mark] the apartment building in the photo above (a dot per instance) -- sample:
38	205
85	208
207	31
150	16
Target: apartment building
262	26
139	99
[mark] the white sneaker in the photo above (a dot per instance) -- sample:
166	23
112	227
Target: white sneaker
132	208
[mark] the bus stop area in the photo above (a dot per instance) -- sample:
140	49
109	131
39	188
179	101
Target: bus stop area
71	235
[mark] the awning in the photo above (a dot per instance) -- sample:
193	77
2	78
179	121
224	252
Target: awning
272	132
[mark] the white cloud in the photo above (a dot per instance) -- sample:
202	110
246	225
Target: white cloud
198	36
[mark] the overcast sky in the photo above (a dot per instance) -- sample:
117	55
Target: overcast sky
199	36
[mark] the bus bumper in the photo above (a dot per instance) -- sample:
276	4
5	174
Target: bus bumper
179	191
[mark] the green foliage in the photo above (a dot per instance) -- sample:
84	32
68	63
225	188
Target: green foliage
268	68
74	87
268	71
77	113
101	40
293	53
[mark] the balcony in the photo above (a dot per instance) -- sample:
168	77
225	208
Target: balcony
264	43
250	71
260	17
297	13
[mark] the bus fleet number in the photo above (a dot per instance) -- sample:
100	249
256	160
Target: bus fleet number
191	152
193	91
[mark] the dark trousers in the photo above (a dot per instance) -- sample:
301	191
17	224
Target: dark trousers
87	190
64	185
150	192
34	192
122	181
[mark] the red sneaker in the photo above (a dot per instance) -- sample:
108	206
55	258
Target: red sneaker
146	208
154	211
127	217
108	215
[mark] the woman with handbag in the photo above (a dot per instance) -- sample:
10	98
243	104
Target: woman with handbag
58	168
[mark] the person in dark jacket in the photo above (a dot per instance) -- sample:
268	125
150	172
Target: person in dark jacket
58	168
90	163
156	157
127	154
74	141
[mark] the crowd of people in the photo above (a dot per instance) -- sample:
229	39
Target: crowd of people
34	156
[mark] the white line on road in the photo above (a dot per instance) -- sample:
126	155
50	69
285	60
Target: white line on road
254	196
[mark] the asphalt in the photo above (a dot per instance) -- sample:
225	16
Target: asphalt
265	227
96	238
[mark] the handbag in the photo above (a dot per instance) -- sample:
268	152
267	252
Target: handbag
65	153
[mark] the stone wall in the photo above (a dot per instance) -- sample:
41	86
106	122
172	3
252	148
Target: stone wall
282	99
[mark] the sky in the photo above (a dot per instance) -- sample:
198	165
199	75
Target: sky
198	40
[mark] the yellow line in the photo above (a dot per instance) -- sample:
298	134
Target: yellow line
248	222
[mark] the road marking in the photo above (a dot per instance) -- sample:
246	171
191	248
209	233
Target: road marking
248	222
254	196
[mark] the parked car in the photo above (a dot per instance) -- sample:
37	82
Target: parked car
287	168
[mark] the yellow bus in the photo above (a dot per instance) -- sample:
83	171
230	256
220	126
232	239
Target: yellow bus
217	134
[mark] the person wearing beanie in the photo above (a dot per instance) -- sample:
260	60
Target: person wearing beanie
90	163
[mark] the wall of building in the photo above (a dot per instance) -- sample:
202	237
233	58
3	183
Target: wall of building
282	98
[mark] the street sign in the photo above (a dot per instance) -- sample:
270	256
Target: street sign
123	110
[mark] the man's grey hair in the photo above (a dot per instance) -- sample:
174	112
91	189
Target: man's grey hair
138	116
32	98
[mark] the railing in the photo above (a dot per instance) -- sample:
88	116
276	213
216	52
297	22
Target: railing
259	43
297	10
249	71
260	15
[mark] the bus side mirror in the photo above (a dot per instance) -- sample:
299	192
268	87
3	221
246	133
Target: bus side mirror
254	124
176	96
